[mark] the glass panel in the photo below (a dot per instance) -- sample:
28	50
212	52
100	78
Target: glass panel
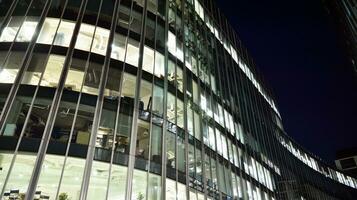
156	138
132	54
154	187
197	126
159	65
212	139
5	161
48	31
181	191
148	60
198	165
27	30
20	176
170	149
10	31
85	36
171	108
10	67
100	41
181	154
117	182
72	178
118	47
170	189
158	94
142	144
139	185
64	33
53	71
193	195
180	115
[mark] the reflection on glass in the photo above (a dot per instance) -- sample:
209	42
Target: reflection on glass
10	67
53	71
27	30
118	47
159	65
64	33
10	31
170	150
48	31
85	36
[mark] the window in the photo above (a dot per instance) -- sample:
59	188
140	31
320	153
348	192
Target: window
132	53
181	191
64	33
148	60
85	36
197	126
212	139
159	65
171	43
10	31
27	30
154	187
156	138
170	189
118	47
170	150
158	94
181	161
53	71
199	9
11	67
139	185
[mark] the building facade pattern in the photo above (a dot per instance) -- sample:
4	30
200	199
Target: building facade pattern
142	99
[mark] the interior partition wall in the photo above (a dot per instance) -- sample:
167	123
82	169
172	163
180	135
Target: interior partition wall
142	99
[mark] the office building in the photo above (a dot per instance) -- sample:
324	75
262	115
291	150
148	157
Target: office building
142	99
346	161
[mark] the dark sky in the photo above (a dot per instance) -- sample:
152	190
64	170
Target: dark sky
295	45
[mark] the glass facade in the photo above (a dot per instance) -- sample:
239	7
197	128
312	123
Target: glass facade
142	99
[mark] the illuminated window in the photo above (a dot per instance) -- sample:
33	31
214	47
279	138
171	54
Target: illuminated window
159	65
9	32
27	30
132	54
148	60
53	71
9	70
64	33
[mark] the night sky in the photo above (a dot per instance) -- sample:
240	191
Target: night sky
296	47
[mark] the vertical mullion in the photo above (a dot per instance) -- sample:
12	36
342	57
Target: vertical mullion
8	15
150	109
129	181
24	63
183	20
163	169
55	105
98	108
